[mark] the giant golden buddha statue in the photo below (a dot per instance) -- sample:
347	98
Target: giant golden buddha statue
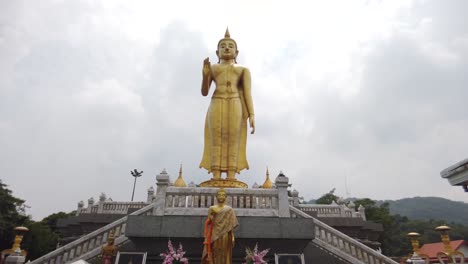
226	120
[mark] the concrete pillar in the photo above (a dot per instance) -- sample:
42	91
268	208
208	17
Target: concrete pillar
80	207
282	184
162	182
149	199
362	212
343	209
15	258
295	195
415	259
102	200
90	204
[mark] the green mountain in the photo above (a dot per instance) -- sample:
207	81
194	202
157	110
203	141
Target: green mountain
427	208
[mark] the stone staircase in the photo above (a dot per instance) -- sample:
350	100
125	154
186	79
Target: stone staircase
341	245
89	246
326	238
192	201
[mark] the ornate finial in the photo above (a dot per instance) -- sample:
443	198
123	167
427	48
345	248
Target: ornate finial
180	181
111	235
267	184
227	35
109	250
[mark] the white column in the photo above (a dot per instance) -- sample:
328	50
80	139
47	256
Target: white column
282	184
162	182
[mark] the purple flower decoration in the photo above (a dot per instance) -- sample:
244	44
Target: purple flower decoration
255	257
174	256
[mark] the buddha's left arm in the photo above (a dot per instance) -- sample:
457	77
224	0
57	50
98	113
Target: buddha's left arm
246	85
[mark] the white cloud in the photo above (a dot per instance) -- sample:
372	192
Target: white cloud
371	92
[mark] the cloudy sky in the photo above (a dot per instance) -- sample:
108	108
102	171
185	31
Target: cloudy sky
368	97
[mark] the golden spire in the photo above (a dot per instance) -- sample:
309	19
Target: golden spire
267	184
180	181
414	241
227	35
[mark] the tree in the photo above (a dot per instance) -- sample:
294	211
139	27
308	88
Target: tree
41	237
51	220
327	198
11	215
393	243
40	240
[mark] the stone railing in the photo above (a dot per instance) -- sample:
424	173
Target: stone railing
89	246
107	206
170	200
342	245
197	200
331	210
121	207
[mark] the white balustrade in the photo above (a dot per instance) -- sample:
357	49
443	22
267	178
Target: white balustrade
196	201
342	245
89	246
329	210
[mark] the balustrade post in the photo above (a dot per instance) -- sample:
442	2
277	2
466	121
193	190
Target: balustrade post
295	195
362	211
102	200
149	199
162	182
90	205
282	184
80	207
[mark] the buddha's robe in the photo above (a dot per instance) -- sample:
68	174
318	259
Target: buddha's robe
221	237
226	120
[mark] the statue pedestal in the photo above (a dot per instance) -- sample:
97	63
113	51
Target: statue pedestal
225	183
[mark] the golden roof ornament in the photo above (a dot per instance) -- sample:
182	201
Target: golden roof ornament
227	35
20	231
268	184
109	250
180	181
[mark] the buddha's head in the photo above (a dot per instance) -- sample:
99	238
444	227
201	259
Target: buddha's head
227	48
221	195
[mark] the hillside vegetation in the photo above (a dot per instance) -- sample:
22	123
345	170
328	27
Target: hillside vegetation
427	208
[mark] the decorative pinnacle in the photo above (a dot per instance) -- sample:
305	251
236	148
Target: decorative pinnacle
227	35
180	180
267	184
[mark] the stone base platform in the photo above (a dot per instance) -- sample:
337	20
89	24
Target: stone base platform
225	183
282	235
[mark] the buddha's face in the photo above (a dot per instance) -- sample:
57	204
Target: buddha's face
227	49
221	196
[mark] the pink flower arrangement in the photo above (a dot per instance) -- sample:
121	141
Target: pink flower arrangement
255	257
174	256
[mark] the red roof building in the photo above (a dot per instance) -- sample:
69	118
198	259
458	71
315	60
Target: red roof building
432	249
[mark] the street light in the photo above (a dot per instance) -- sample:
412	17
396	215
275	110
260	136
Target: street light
416	257
135	174
448	252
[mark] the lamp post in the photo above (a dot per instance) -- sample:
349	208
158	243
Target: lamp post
416	257
448	252
15	255
135	174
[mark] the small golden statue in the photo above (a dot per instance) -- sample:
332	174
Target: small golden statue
109	251
219	232
226	119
